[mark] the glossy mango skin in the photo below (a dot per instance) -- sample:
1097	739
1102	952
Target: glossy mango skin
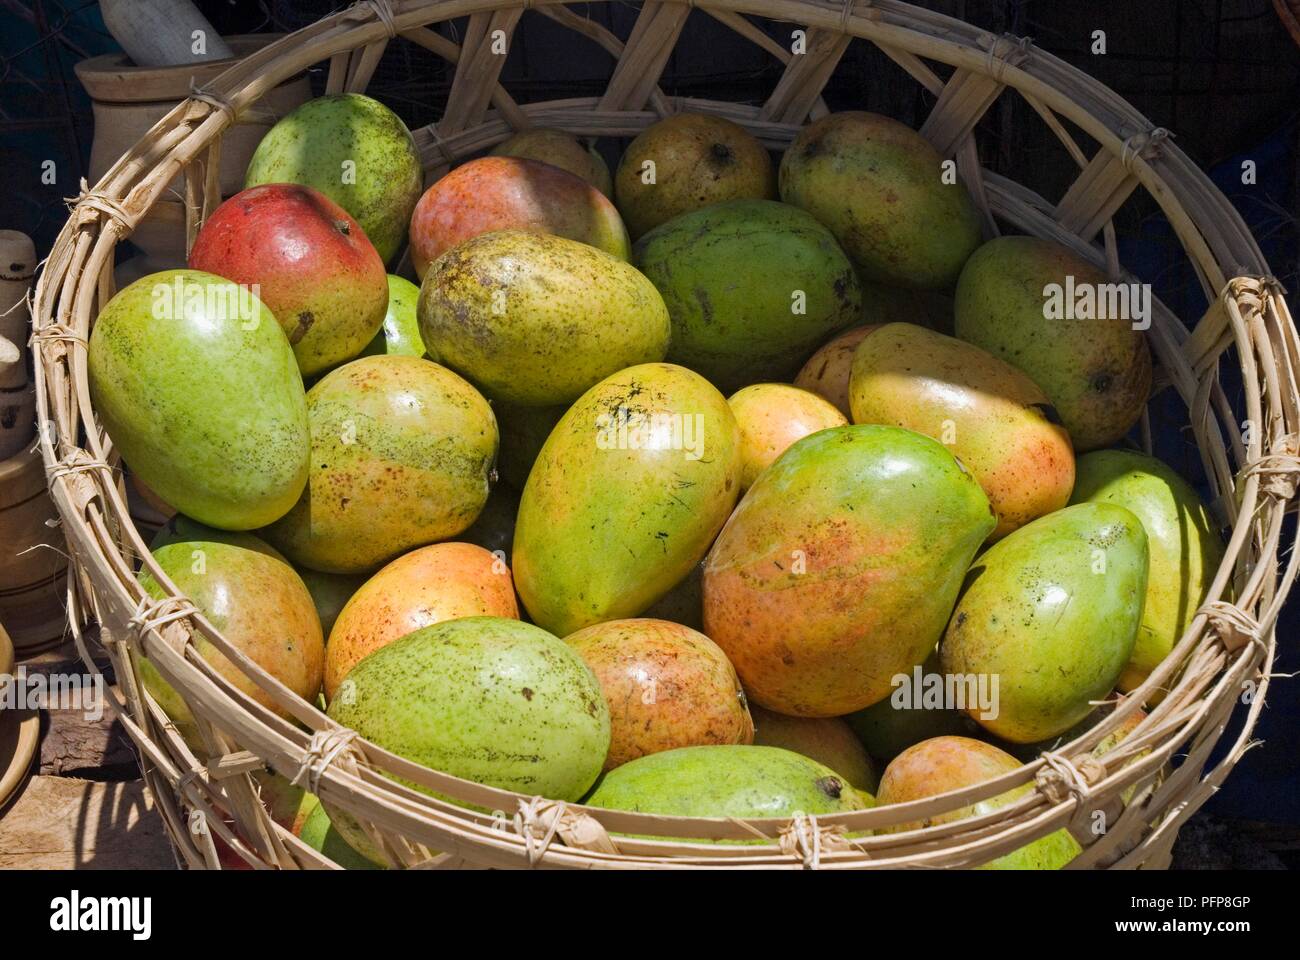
223	436
667	686
402	449
828	740
559	149
840	566
950	763
989	414
1185	547
699	160
258	604
771	417
313	143
535	320
605	530
439	582
730	275
1097	373
877	185
725	781
1052	610
400	331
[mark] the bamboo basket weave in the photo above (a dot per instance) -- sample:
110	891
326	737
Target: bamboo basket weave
1216	677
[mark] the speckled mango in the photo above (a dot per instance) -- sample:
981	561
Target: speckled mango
559	149
535	319
322	836
1096	372
258	604
198	387
827	371
840	566
626	495
354	150
401	453
1052	611
667	686
771	417
752	286
878	185
739	781
951	763
1185	548
989	414
828	740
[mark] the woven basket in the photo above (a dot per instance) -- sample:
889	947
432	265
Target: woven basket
1217	675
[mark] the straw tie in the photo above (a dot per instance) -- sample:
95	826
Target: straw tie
539	821
805	839
151	614
847	10
56	332
324	747
77	462
1006	51
88	206
1144	145
384	14
1062	778
1232	625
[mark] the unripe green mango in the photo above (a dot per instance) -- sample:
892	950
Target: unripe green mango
879	186
536	319
626	495
887	728
1096	372
198	387
322	836
1052	611
752	286
1185	548
726	781
400	332
840	566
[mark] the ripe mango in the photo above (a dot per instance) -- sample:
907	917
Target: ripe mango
401	453
950	763
752	287
988	413
828	370
1185	547
828	740
626	495
1096	372
198	387
725	781
322	836
666	685
840	566
771	417
559	149
535	319
1052	610
878	185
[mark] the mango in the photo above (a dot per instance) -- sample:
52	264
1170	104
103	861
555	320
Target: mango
559	149
1185	547
330	592
828	740
950	763
889	726
439	582
1096	372
535	319
752	287
258	604
878	185
771	417
400	331
684	603
354	150
688	161
988	413
321	835
223	436
740	781
840	566
182	529
1052	611
402	450
827	371
626	495
666	686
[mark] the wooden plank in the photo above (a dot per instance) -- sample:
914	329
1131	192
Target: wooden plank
60	823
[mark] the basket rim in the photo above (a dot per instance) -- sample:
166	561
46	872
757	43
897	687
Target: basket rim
76	484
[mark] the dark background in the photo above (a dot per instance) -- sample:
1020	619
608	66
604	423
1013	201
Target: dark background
1223	75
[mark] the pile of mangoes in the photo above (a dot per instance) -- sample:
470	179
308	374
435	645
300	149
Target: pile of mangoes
655	520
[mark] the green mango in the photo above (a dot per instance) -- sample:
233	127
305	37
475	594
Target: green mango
752	286
1096	372
354	150
628	492
1052	611
181	529
199	390
840	566
748	782
536	319
828	740
1185	547
321	835
887	729
400	332
878	185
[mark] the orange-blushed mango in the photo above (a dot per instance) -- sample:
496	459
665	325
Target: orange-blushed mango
771	417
